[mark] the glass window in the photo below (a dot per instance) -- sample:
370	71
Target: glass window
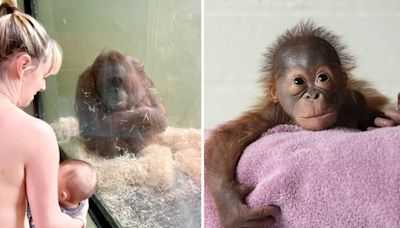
149	173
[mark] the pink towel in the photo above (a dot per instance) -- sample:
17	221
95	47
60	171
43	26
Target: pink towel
331	178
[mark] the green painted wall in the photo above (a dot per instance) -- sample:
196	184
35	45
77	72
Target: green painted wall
165	35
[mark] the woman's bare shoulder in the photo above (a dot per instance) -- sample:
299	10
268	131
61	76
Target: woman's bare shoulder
20	123
27	136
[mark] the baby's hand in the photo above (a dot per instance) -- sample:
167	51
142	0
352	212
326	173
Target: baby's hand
392	116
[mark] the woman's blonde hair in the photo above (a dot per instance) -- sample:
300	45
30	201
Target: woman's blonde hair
21	33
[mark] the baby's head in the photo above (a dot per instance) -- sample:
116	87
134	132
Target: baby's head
76	182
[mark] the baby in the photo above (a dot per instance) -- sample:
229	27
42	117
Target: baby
76	183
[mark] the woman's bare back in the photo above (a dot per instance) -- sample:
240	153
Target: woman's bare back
28	152
12	163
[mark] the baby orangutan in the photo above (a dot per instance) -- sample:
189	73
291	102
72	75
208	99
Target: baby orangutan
307	82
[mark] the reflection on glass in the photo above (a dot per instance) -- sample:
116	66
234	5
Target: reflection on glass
141	137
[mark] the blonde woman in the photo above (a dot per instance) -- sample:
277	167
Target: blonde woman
28	146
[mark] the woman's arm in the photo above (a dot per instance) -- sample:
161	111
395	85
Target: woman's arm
41	172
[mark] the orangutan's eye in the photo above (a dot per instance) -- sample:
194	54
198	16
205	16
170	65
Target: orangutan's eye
322	78
299	81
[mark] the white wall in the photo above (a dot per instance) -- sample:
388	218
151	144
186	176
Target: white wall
237	32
